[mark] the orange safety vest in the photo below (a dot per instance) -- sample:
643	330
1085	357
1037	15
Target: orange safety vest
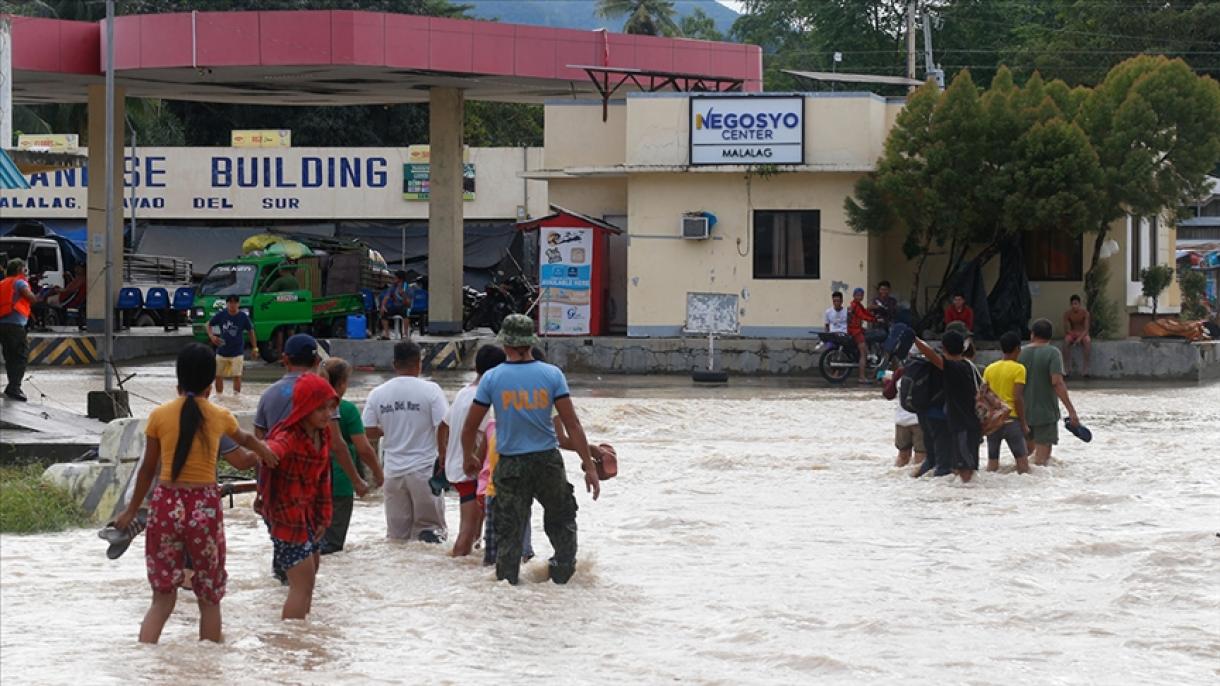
8	291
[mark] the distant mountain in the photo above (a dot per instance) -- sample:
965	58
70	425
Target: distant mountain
582	14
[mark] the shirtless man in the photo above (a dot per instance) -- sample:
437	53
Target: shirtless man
1076	324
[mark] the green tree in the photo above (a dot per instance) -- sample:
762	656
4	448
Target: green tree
646	17
1155	126
963	174
898	197
699	25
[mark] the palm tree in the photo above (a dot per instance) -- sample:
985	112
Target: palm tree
646	17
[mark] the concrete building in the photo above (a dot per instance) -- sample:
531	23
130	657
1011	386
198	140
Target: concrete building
780	243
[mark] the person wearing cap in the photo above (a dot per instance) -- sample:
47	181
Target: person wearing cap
525	394
396	302
958	448
301	356
857	314
404	413
225	330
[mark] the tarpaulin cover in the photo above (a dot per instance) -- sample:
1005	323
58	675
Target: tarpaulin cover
204	246
70	235
487	243
1010	302
969	282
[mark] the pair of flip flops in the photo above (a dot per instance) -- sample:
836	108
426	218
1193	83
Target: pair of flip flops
120	539
1078	430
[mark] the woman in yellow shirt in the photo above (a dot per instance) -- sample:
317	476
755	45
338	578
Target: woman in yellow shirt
185	516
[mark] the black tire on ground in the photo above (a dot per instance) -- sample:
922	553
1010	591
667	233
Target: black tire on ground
273	348
705	376
51	317
831	357
145	319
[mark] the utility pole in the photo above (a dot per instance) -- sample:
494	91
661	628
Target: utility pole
108	330
911	41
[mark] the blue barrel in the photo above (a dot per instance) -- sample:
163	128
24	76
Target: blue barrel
356	327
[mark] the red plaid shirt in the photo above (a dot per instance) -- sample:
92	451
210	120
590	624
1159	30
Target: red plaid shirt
296	493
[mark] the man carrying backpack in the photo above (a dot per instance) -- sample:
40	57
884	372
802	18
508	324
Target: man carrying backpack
959	449
920	391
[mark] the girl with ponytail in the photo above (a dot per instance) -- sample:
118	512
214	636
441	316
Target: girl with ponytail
185	516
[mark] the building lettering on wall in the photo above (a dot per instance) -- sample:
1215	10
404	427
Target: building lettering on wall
747	129
252	183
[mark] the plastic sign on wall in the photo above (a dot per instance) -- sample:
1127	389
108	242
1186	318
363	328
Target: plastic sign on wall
565	259
260	138
748	129
417	174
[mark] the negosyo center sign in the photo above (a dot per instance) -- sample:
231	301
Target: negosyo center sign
747	129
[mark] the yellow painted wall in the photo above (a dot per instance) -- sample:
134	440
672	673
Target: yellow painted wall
594	196
663	267
574	135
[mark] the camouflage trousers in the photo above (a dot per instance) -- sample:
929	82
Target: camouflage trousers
520	480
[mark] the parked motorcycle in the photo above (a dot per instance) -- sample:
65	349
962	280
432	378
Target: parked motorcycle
502	297
840	357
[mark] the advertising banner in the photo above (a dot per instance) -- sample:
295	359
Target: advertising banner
566	277
53	142
273	183
417	172
261	138
747	129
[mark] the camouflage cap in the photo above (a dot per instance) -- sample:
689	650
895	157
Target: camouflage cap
517	331
959	327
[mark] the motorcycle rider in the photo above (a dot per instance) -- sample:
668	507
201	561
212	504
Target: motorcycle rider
857	314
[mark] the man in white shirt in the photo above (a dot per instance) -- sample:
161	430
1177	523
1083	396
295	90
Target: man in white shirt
836	315
404	413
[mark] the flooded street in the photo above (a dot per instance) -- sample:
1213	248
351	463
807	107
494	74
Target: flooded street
756	534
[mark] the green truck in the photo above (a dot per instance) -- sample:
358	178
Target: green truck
287	293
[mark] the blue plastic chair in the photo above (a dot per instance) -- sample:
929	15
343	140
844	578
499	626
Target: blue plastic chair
419	302
131	301
180	307
157	299
184	299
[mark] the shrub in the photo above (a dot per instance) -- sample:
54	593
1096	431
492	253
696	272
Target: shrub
1155	280
1194	290
28	504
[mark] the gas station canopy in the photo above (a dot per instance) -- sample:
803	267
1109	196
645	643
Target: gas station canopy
347	58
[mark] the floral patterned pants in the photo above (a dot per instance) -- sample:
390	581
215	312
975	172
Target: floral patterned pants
181	522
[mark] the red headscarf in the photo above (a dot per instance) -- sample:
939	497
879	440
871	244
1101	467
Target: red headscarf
296	494
308	393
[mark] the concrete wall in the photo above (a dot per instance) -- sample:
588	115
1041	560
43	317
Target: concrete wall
575	136
1157	360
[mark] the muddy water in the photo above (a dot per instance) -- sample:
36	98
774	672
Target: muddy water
756	535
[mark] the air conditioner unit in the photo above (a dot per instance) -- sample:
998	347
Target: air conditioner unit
696	227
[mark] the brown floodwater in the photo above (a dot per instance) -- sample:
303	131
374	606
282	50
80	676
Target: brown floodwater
756	534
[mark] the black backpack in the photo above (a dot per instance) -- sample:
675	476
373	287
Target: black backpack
920	388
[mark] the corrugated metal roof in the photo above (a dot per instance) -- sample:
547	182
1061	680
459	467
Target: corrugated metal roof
10	177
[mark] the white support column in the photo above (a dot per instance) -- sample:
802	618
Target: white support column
446	231
96	216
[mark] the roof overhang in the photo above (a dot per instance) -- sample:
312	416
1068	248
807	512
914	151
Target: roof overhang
345	58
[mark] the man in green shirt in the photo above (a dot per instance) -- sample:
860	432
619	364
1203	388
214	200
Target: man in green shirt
1044	389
